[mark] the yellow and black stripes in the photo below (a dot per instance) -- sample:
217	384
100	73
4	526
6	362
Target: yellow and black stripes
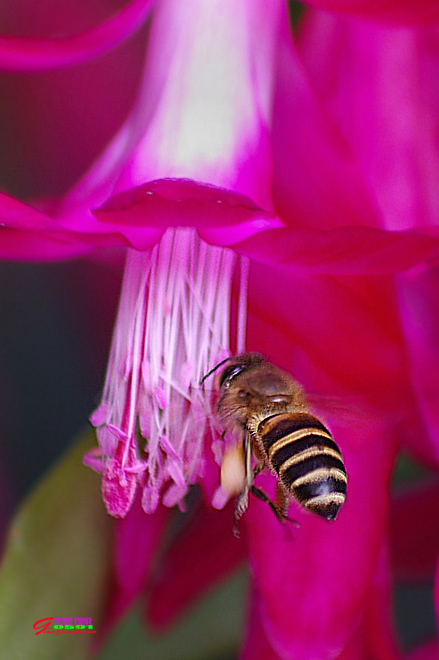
309	464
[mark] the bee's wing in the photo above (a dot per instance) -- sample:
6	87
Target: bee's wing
360	412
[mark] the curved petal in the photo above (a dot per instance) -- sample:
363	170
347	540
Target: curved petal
203	107
317	180
26	54
221	216
214	127
395	12
18	215
33	246
344	250
373	638
389	120
28	234
391	124
137	538
314	582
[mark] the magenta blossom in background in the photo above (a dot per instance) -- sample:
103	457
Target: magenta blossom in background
228	130
393	12
398	158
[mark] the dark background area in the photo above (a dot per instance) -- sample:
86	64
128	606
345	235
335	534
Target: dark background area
55	330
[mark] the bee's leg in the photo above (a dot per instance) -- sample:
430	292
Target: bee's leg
242	499
278	509
282	500
264	497
261	462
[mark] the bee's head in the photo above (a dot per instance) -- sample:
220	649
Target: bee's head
248	386
234	397
237	366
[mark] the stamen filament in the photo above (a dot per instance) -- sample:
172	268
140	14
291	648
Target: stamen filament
172	327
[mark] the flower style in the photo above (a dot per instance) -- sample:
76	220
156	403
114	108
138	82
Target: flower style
227	136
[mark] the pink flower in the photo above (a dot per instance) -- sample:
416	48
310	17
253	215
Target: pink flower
390	123
227	133
399	159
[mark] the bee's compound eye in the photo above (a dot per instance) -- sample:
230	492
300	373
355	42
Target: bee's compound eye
229	373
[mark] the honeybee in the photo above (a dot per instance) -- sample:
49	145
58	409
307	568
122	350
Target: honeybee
266	408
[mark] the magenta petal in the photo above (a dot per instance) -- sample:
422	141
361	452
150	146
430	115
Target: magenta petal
314	593
357	648
203	107
136	540
344	250
371	639
201	556
329	320
222	217
428	651
16	214
317	179
395	12
381	635
32	246
29	234
21	54
389	120
206	107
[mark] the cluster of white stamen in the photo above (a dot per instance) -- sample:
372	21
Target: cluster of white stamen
173	326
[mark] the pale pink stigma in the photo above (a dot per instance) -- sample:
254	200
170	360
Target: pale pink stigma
172	327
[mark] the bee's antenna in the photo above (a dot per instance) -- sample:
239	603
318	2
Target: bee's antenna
209	373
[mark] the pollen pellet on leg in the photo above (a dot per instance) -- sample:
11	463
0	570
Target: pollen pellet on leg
233	470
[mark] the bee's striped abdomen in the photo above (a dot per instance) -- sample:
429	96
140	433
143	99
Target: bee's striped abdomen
309	464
